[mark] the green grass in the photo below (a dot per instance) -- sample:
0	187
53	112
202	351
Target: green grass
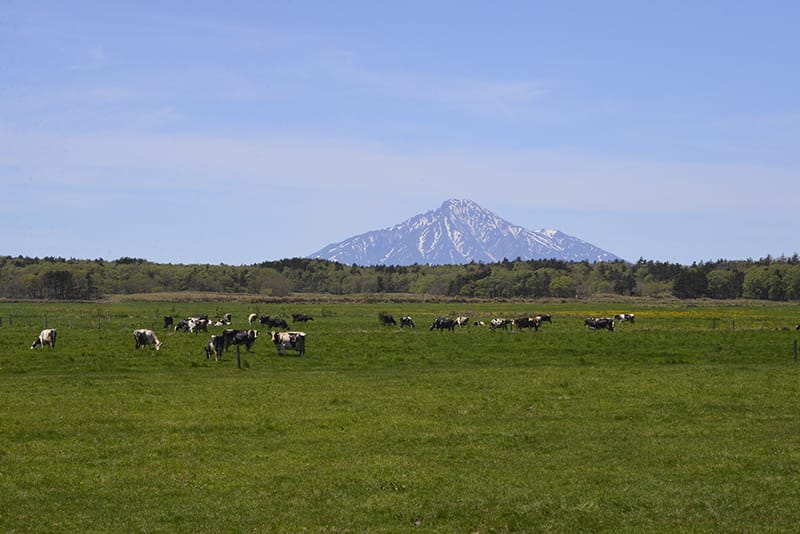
676	423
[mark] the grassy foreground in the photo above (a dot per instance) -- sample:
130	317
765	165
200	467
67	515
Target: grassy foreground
687	420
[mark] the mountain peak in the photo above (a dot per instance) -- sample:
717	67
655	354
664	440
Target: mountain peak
460	231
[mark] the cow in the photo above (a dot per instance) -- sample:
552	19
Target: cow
193	324
545	317
442	323
600	322
146	337
498	322
239	337
406	320
478	323
46	337
386	319
215	346
252	318
301	318
291	340
168	321
225	320
527	322
273	322
462	321
622	317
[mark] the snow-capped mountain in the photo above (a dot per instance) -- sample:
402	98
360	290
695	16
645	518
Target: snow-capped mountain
458	232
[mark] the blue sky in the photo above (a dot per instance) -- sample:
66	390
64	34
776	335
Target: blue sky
237	132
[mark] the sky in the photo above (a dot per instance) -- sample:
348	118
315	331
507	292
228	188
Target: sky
239	132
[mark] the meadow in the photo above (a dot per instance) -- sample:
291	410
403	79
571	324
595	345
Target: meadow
686	420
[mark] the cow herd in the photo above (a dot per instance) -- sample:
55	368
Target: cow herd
295	340
527	322
218	343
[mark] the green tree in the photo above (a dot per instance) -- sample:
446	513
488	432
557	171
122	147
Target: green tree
691	283
563	286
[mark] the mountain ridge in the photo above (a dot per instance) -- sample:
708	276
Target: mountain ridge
459	231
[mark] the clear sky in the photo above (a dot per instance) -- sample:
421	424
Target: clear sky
237	132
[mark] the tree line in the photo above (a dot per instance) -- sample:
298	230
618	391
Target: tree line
50	278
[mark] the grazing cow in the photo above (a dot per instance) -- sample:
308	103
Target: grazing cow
600	323
797	327
406	320
301	318
197	324
215	346
251	319
527	322
225	320
46	337
168	321
291	340
239	337
442	323
479	323
545	317
622	317
496	323
273	322
193	324
146	337
462	321
386	319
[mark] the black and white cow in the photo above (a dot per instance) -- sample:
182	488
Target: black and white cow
386	319
193	324
527	322
301	318
443	323
291	340
462	321
145	337
239	337
545	317
498	322
601	323
225	320
46	337
215	346
406	320
623	317
168	321
252	318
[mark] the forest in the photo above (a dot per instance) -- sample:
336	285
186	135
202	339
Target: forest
49	278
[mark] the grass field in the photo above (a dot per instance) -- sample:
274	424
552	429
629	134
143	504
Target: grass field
687	420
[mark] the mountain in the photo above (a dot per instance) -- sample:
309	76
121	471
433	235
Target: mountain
460	231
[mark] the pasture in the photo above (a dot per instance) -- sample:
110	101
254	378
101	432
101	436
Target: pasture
687	420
